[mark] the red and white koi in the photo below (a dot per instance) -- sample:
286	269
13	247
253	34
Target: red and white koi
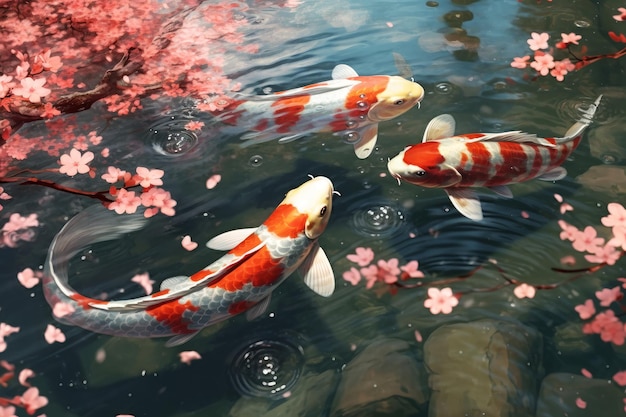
493	160
349	105
259	259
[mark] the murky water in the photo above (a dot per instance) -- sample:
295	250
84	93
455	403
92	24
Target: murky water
460	51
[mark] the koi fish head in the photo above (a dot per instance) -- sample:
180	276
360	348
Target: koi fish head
399	96
423	166
314	199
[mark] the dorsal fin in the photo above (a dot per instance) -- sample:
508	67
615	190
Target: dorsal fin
170	283
512	136
440	127
343	71
230	239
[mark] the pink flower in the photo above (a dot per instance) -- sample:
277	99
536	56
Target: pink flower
570	38
47	62
586	311
145	281
188	356
5	85
62	309
543	63
24	375
410	269
617	216
602	254
114	175
188	244
31	89
524	291
8	411
622	16
28	278
607	296
125	202
159	198
17	222
49	111
440	301
613	333
520	62
600	321
558	197
370	274
388	271
620	378
75	162
565	207
194	125
538	41
587	240
213	181
32	401
561	68
147	177
353	276
619	237
362	257
53	334
580	403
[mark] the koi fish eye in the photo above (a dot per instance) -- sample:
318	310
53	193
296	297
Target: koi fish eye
323	211
398	102
419	173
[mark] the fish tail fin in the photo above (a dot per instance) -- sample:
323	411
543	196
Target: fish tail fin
95	224
585	120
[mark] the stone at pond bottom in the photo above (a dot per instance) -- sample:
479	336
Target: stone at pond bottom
607	179
384	379
484	368
309	398
560	391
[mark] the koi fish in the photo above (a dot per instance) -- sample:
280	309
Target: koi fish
493	160
349	105
259	259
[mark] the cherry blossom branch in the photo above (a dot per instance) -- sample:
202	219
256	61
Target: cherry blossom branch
98	195
587	60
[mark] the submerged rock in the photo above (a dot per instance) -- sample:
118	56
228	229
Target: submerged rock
484	368
384	379
569	395
607	179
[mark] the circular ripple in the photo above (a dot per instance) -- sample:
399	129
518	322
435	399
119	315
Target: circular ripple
377	219
267	368
171	138
255	161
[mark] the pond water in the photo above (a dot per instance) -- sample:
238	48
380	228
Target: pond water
362	351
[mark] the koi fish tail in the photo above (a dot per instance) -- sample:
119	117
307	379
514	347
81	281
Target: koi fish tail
585	120
95	224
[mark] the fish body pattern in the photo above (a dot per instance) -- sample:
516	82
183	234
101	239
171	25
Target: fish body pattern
457	163
258	260
349	105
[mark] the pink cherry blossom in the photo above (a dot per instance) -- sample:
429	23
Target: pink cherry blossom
24	375
619	237
620	378
370	274
188	244
31	89
440	301
17	222
148	177
213	181
538	41
561	68
53	334
587	240
49	111
363	256
125	202
613	333
28	278
189	355
616	217
607	296
7	329
580	403
145	281
75	162
411	270
388	271
114	175
543	63
32	401
604	254
622	16
194	125
570	38
565	207
5	85
8	411
586	310
524	291
558	197
62	309
520	62
353	276
600	321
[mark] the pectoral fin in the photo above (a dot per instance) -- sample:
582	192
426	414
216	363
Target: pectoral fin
343	71
440	127
230	239
554	174
259	308
180	339
466	202
502	191
369	135
318	273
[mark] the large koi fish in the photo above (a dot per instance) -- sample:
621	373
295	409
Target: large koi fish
493	160
259	259
349	105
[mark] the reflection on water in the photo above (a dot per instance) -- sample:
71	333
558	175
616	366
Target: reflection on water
357	352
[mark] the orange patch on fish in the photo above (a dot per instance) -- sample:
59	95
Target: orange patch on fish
287	111
200	275
286	221
240	306
85	301
365	94
159	293
259	270
248	243
171	314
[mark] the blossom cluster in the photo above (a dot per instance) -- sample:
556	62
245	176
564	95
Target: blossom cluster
18	228
544	62
30	400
